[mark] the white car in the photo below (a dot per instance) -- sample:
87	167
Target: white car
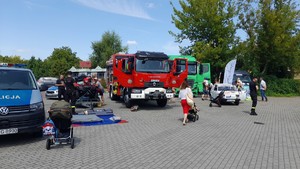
45	82
231	94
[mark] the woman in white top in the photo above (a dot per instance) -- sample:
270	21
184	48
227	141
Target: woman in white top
184	89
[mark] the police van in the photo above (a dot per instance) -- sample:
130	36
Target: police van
21	102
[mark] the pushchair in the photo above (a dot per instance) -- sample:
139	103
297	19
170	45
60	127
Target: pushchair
62	131
192	115
217	99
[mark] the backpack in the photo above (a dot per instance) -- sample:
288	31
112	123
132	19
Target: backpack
60	109
48	128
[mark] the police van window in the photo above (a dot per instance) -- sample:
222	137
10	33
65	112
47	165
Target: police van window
16	80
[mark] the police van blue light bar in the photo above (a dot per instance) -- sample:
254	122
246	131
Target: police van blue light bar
17	65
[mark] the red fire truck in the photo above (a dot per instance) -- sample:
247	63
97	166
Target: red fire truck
144	76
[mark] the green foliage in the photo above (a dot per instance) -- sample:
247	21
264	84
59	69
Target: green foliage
277	37
61	60
209	26
11	59
272	45
107	46
282	87
37	67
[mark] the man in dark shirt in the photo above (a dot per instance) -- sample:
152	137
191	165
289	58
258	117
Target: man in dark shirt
60	83
253	93
70	91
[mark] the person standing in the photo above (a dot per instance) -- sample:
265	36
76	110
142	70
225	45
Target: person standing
205	89
96	83
184	90
253	93
239	84
70	91
263	88
60	83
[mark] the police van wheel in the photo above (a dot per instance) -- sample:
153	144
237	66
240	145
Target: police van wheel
162	102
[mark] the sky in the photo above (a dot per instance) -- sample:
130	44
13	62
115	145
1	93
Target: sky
35	27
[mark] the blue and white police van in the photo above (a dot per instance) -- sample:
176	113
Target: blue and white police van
21	102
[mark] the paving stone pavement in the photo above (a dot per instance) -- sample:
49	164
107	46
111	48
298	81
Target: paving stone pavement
154	137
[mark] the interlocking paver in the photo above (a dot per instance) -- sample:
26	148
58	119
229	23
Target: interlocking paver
154	137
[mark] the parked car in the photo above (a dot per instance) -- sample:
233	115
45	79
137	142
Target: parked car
45	82
52	92
231	94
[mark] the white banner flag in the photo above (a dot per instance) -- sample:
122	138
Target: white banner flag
229	71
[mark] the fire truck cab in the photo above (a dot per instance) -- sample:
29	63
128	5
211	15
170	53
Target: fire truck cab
144	76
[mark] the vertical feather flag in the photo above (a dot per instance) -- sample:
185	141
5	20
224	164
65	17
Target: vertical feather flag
229	71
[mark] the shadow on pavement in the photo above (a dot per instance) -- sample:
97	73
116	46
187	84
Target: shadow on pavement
248	112
19	139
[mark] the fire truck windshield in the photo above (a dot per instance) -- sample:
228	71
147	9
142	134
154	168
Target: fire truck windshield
151	65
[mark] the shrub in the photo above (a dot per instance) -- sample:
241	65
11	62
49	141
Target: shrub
282	87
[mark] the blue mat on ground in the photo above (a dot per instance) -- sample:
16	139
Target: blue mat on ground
96	117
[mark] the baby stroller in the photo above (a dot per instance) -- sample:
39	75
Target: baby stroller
61	131
192	115
217	100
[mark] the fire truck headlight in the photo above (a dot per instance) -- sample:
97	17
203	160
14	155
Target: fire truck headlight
173	81
129	81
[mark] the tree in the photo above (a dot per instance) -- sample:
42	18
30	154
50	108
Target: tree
247	21
107	46
11	59
278	38
208	26
60	61
37	67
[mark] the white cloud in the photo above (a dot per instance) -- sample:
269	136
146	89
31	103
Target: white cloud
171	48
22	50
150	5
123	7
131	42
30	5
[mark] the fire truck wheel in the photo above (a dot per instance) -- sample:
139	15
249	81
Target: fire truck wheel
162	102
127	101
112	96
